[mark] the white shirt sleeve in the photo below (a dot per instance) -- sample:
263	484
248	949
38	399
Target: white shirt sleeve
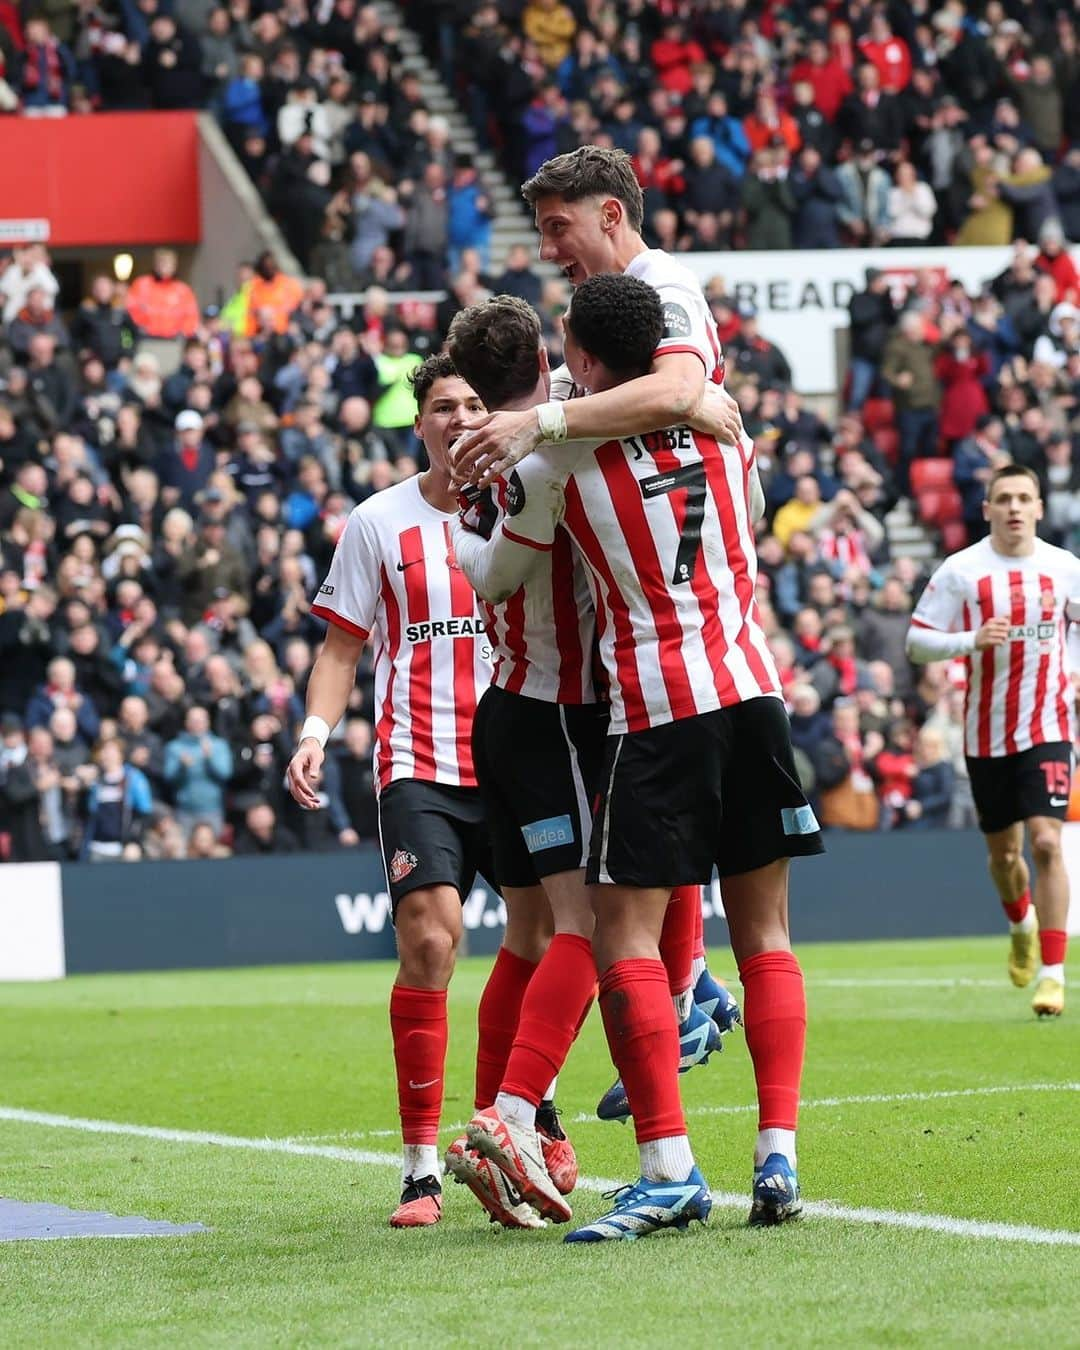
686	324
932	635
531	502
349	597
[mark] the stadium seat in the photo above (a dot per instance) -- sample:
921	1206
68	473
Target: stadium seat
877	413
931	473
939	506
887	440
954	536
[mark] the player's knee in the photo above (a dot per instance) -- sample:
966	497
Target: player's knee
428	954
1004	859
1045	848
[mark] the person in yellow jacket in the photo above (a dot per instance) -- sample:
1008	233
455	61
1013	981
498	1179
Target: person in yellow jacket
273	291
551	25
234	312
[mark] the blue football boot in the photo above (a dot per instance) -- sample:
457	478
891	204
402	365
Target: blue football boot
776	1193
647	1207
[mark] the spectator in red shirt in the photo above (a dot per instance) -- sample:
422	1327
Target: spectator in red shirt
889	53
673	55
768	126
961	372
160	304
1054	258
653	170
830	81
841	46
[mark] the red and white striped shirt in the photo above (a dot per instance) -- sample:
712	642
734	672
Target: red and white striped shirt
543	631
394	579
1018	693
664	523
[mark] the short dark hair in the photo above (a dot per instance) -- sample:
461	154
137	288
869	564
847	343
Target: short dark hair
438	367
1012	471
494	346
619	320
589	171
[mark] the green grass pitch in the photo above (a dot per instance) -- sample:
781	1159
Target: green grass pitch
974	1113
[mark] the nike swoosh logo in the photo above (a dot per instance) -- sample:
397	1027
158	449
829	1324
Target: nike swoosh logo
411	563
1059	801
417	1086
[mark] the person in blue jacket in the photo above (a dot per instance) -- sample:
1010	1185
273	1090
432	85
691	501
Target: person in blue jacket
198	765
118	804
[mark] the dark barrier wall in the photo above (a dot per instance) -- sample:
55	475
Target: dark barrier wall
333	907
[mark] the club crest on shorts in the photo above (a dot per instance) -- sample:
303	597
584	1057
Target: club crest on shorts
401	864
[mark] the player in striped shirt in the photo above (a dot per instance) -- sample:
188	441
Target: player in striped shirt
663	524
1004	605
394	582
543	703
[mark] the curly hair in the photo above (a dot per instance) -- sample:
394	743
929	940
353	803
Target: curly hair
589	171
494	346
439	367
619	320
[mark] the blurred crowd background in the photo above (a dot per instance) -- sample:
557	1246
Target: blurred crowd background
174	473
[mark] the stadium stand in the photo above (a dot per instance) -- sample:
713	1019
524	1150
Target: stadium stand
166	512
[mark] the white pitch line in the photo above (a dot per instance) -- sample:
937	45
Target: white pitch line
872	1098
942	982
931	1223
748	1108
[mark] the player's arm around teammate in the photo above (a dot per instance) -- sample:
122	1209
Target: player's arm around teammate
589	213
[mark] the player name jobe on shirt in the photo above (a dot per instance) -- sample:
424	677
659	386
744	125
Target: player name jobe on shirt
664	523
394	579
1018	692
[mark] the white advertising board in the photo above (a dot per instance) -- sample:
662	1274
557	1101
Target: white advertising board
802	296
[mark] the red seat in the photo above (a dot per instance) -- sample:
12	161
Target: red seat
937	506
954	536
887	440
877	413
931	473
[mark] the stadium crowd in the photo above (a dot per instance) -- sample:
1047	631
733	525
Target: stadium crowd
756	125
163	530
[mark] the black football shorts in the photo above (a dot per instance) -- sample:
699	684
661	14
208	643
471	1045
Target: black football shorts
432	834
716	790
538	766
1010	788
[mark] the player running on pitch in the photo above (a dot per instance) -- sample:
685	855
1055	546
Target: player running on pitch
394	582
1004	604
663	524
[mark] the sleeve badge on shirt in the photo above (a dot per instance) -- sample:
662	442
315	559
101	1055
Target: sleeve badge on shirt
676	321
515	495
402	864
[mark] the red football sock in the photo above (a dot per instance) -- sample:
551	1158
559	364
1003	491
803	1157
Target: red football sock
699	930
1052	944
1016	911
418	1026
643	1038
678	936
497	1020
554	1007
774	1011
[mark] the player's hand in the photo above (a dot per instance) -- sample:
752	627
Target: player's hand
493	444
304	772
992	634
719	416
